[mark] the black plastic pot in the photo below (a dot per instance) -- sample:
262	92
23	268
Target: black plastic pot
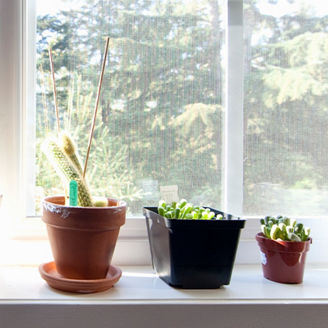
193	253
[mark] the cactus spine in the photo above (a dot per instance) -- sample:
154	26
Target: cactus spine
67	170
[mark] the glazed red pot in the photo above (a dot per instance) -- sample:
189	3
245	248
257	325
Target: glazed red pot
283	261
83	239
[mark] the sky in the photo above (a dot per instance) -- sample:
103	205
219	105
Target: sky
321	7
51	7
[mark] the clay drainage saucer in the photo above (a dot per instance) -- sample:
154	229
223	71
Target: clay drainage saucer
55	280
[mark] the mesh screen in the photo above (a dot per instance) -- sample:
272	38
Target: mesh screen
286	108
158	131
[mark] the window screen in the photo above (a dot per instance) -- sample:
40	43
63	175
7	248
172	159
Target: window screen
159	124
285	107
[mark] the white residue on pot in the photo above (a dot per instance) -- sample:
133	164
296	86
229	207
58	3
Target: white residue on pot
64	213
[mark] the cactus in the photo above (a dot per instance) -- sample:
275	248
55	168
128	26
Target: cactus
68	148
185	210
67	171
283	228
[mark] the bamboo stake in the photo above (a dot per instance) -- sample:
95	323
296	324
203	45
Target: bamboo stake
96	105
54	86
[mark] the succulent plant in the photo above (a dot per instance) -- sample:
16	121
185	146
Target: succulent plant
67	170
283	228
185	210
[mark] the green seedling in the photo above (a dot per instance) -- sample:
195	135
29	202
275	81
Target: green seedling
186	211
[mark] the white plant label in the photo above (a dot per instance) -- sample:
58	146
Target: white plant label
169	193
263	258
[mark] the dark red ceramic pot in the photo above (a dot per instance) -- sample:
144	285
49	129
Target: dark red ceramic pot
83	239
283	261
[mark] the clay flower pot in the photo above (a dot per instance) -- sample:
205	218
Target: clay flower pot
83	239
283	261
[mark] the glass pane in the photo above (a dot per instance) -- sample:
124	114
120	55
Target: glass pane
159	122
286	102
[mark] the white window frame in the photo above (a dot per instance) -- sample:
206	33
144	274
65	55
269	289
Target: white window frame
11	101
234	126
16	87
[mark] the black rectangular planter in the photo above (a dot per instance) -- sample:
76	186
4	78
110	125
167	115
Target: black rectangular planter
193	253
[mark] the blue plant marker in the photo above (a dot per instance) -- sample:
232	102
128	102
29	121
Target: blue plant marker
73	193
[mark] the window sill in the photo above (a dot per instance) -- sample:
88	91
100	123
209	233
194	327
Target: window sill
133	246
141	299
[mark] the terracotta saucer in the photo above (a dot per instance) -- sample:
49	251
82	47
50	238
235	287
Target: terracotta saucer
55	280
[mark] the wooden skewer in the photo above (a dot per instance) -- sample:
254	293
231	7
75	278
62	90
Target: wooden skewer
96	106
54	86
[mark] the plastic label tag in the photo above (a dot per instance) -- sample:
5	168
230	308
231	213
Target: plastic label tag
73	192
169	193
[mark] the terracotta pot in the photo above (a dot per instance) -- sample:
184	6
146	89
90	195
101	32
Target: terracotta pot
83	239
283	261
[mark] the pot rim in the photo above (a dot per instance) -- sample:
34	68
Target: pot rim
189	224
260	235
82	218
46	200
282	246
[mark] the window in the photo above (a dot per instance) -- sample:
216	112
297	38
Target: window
256	123
285	108
160	119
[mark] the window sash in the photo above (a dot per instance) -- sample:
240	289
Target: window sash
22	126
233	142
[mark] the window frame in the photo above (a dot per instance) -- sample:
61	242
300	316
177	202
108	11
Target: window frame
11	100
17	45
234	120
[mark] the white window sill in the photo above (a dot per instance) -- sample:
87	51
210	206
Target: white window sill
141	299
29	244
